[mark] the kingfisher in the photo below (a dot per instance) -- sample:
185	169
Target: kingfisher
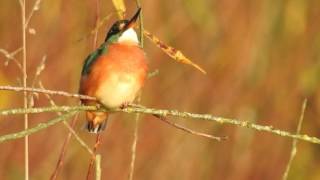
114	73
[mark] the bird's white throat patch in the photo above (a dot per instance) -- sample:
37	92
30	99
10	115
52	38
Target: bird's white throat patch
129	36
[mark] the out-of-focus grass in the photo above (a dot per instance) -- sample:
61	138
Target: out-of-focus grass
262	59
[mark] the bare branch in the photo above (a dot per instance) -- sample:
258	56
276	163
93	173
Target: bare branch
47	109
165	112
39	127
34	8
45	91
63	149
137	117
134	143
70	128
10	56
96	28
162	118
92	160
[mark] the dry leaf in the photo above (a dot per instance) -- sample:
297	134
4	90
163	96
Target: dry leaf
172	52
120	7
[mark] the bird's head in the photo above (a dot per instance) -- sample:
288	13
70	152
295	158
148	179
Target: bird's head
123	31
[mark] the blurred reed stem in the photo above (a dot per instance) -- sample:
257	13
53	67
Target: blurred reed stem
98	166
24	77
137	117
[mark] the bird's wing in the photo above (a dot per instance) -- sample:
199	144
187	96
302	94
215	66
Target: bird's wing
92	58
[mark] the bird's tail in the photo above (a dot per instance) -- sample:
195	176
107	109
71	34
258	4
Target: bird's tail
96	121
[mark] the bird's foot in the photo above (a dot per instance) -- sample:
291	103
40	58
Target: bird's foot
124	105
98	105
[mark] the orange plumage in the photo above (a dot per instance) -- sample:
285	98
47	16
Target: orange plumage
114	73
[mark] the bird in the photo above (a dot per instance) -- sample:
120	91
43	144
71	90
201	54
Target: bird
114	73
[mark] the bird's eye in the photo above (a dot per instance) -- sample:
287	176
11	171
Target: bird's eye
121	26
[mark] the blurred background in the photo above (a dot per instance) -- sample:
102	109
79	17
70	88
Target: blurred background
262	59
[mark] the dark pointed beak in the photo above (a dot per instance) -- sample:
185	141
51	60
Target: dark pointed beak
133	20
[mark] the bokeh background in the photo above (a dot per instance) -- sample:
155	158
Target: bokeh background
262	59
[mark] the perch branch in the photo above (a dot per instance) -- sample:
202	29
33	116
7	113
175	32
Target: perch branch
174	113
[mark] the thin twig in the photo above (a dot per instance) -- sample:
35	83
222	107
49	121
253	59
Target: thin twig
134	143
34	8
10	56
40	68
80	141
178	126
39	127
47	109
70	128
174	113
153	73
63	150
96	29
100	24
93	157
98	167
45	91
67	139
141	29
92	160
137	117
295	141
25	95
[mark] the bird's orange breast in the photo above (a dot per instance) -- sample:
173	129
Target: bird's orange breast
116	76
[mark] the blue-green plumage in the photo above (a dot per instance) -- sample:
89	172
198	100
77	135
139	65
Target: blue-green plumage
92	58
112	37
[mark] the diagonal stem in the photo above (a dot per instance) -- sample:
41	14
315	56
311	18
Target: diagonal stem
92	160
63	150
39	127
178	126
295	141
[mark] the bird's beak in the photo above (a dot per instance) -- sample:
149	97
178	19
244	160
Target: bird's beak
133	20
